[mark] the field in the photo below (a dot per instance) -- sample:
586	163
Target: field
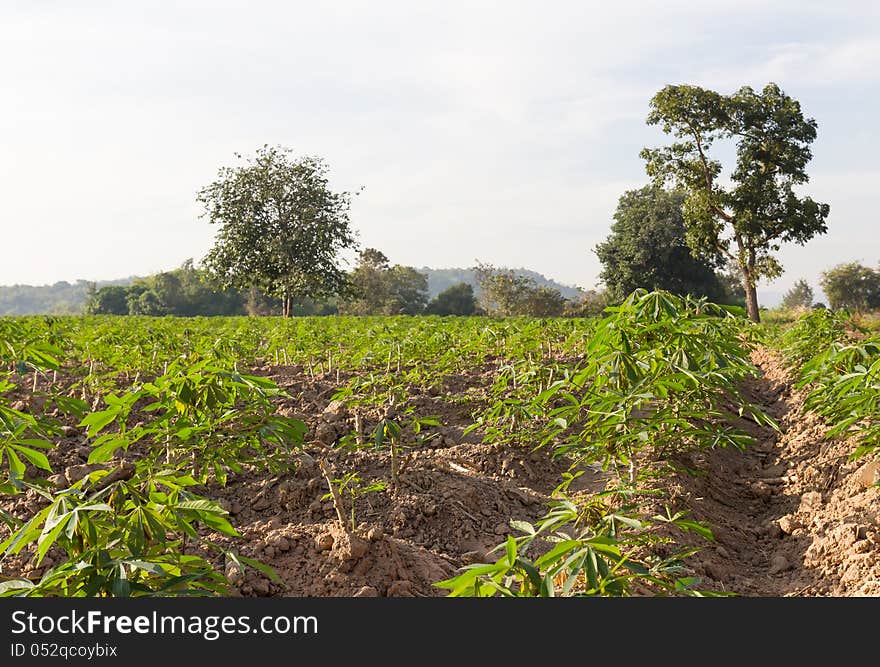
669	448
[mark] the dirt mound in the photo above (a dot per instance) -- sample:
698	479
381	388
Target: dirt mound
792	516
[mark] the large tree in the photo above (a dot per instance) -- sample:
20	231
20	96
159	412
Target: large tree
851	285
746	212
281	227
647	248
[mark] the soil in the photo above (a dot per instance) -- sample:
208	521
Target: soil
791	516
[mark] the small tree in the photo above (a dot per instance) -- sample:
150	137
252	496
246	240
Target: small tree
591	303
851	285
545	301
502	292
380	289
281	227
368	285
799	296
747	220
505	293
456	300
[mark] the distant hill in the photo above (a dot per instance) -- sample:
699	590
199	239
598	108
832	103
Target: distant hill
62	298
441	279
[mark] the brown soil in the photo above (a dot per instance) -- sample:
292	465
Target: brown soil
791	516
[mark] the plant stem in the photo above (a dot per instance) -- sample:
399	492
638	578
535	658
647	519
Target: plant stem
334	494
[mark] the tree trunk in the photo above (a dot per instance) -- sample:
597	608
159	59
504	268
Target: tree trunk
285	305
746	261
752	302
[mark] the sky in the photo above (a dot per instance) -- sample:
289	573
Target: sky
495	131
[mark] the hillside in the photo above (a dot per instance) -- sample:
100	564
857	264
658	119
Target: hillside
61	298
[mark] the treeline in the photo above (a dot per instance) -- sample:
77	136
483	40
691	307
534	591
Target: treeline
850	285
374	287
185	291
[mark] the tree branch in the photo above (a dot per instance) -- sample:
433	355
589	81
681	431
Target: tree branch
707	175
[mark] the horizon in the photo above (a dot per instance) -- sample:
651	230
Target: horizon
507	136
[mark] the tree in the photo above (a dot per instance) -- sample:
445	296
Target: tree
368	286
747	220
281	227
851	285
407	291
455	300
647	248
545	301
110	300
380	289
504	293
799	296
591	303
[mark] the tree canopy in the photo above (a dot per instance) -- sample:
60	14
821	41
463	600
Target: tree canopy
746	212
799	296
505	293
376	288
851	285
647	248
281	227
455	300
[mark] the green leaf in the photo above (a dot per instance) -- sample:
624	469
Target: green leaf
96	421
105	451
201	505
11	586
37	458
510	548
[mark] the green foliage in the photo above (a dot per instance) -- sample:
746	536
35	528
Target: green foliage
281	227
844	383
505	293
647	249
60	298
598	548
185	291
659	376
591	303
110	300
748	220
812	333
124	539
206	417
407	291
455	300
652	378
353	486
853	286
839	365
380	289
799	296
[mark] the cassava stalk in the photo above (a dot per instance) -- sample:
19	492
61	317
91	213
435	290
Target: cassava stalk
358	428
334	494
